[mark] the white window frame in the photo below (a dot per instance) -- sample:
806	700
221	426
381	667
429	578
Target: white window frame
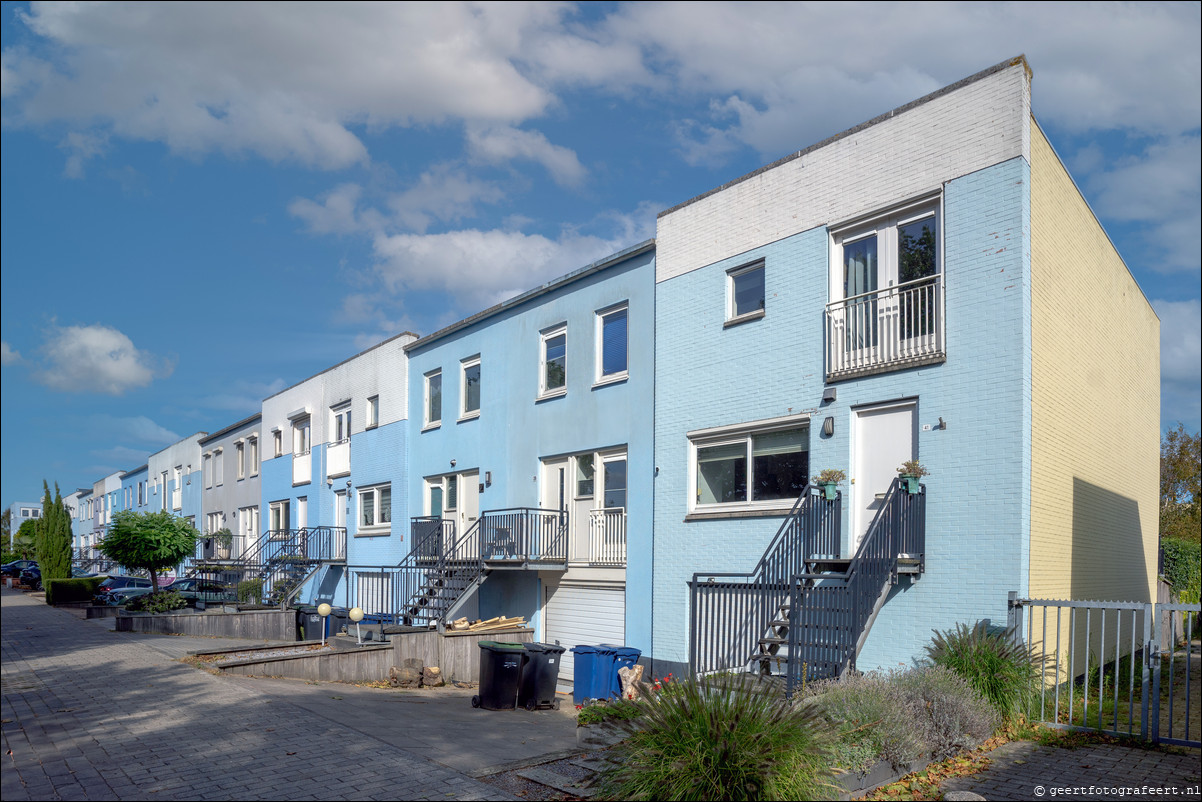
884	226
340	418
277	442
248	524
206	468
732	316
302	436
218	467
740	434
428	421
464	367
371	415
240	458
601	377
377	526
544	337
252	452
279	512
212	523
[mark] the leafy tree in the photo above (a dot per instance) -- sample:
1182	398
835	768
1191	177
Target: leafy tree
25	539
6	530
1181	485
53	540
153	541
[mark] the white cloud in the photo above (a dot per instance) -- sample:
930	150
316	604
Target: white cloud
241	395
502	144
81	147
138	428
335	214
8	355
96	358
1180	342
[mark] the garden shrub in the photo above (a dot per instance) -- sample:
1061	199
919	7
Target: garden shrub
1001	670
602	711
722	738
952	715
64	591
161	602
1183	568
873	718
250	591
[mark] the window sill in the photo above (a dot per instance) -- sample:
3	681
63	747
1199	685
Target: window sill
721	515
429	427
548	396
605	381
371	426
375	532
747	318
469	416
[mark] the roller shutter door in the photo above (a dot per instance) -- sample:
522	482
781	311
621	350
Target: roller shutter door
584	615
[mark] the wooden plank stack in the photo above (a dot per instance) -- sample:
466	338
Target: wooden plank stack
491	625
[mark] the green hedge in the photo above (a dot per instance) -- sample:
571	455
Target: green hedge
1183	567
62	591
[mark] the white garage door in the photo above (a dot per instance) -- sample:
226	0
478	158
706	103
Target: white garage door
583	615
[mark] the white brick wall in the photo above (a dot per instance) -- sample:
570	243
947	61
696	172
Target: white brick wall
957	133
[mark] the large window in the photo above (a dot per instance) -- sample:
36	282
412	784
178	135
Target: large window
375	507
340	424
469	388
612	351
300	437
433	405
553	362
280	517
745	292
763	467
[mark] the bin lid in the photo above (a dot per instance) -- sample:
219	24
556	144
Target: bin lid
549	648
585	649
623	651
498	646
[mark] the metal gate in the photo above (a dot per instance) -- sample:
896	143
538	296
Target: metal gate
1122	668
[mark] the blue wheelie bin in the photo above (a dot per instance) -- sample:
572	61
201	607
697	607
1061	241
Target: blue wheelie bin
603	670
624	657
584	669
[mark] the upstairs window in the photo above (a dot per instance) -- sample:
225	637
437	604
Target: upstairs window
240	458
375	507
277	442
433	400
252	455
373	412
300	437
469	389
553	373
612	347
745	294
340	424
218	468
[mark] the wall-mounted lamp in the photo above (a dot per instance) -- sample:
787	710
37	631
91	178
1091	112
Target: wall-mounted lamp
487	478
828	426
452	463
329	482
942	423
348	482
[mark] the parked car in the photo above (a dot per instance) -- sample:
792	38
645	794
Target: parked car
110	586
15	567
206	590
121	596
32	577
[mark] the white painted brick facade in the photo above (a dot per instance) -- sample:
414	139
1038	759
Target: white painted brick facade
941	138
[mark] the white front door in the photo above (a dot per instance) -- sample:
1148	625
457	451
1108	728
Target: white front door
884	439
557	495
469	500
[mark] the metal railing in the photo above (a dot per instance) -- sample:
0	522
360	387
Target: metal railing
732	612
1122	668
430	535
829	614
893	326
607	536
524	534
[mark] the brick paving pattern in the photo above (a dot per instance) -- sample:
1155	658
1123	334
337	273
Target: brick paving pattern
93	714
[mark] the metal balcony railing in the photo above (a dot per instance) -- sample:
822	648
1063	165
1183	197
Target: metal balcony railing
607	537
897	327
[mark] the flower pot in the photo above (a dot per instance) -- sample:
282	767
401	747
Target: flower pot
911	483
223	551
830	490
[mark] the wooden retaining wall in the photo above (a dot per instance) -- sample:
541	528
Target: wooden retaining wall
456	653
250	625
363	664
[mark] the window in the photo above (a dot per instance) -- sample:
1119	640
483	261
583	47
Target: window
141	493
745	292
212	523
763	467
340	424
300	437
615	481
280	518
375	507
277	442
373	412
469	389
252	455
433	404
584	476
553	362
248	523
240	458
218	468
612	344
206	469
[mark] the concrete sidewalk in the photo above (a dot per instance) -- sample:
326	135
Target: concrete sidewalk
89	713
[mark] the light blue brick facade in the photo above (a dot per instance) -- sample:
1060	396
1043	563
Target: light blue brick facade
379	456
708	375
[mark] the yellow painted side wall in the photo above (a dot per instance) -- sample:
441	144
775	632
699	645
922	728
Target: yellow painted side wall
1095	418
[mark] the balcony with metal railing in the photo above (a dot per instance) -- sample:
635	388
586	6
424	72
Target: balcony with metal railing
889	329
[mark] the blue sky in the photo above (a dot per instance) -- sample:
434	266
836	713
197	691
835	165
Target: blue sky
203	204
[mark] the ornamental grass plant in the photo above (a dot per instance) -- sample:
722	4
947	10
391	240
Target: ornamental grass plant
1003	671
726	737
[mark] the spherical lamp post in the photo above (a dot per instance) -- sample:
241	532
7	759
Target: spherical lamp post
324	611
356	615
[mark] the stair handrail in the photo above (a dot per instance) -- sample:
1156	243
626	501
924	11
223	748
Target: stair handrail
810	529
875	561
532	533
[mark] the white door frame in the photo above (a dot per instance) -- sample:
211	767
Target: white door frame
873	464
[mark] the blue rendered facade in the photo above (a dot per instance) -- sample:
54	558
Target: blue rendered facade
521	427
135	494
708	375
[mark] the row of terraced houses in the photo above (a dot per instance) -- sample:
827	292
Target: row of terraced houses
623	455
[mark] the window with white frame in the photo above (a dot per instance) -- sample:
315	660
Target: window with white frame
553	361
300	437
277	442
279	516
614	481
759	466
612	344
433	398
218	467
745	294
375	507
206	469
469	388
340	424
248	523
177	490
240	458
252	455
373	412
212	523
584	476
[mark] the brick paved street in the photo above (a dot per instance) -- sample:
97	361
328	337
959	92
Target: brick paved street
93	714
